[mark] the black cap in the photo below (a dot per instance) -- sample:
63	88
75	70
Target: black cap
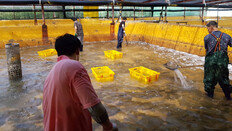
212	23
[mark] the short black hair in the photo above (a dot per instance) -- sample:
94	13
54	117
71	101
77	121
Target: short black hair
212	23
67	45
74	18
124	18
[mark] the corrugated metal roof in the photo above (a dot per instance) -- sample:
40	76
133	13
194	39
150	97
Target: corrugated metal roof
183	3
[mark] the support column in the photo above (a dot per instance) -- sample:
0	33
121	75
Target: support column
44	28
134	12
74	15
184	12
217	18
112	25
161	14
13	13
107	11
13	61
64	12
35	19
152	13
166	14
202	15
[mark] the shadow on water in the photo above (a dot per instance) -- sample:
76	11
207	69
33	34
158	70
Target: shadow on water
161	105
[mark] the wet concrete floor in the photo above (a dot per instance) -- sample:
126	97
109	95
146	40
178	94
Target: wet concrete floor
161	105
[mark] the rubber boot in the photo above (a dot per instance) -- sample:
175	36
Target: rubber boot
210	93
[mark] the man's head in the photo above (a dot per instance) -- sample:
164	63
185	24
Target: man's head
212	26
74	19
68	45
124	18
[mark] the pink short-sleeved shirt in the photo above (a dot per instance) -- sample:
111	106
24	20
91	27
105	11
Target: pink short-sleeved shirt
67	94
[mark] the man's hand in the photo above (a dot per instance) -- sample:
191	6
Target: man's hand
115	127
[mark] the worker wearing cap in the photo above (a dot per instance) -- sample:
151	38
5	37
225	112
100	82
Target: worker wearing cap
121	33
216	60
79	32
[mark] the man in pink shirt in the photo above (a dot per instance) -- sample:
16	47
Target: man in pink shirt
69	99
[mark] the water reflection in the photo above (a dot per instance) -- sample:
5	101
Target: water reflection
162	105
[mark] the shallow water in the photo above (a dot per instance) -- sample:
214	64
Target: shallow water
161	105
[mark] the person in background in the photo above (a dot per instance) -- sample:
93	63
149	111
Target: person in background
79	31
121	33
216	60
69	99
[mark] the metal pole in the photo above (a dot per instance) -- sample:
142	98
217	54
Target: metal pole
107	11
35	19
64	13
152	13
134	12
202	15
184	13
161	14
44	28
13	61
43	16
14	13
166	13
74	12
113	12
112	25
217	17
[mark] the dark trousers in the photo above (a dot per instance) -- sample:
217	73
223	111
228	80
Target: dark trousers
81	40
216	71
120	37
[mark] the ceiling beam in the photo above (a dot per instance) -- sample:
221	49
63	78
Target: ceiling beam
149	1
207	2
214	2
221	2
181	1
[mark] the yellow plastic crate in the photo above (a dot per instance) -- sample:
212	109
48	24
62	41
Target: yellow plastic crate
144	74
46	53
113	54
103	74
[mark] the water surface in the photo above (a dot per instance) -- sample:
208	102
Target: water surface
161	105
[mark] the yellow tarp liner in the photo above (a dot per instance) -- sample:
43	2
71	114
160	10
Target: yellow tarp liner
189	39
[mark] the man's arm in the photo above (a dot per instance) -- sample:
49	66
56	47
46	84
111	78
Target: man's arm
75	26
123	27
90	101
100	115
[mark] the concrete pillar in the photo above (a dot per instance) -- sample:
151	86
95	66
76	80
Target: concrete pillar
44	34
13	61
